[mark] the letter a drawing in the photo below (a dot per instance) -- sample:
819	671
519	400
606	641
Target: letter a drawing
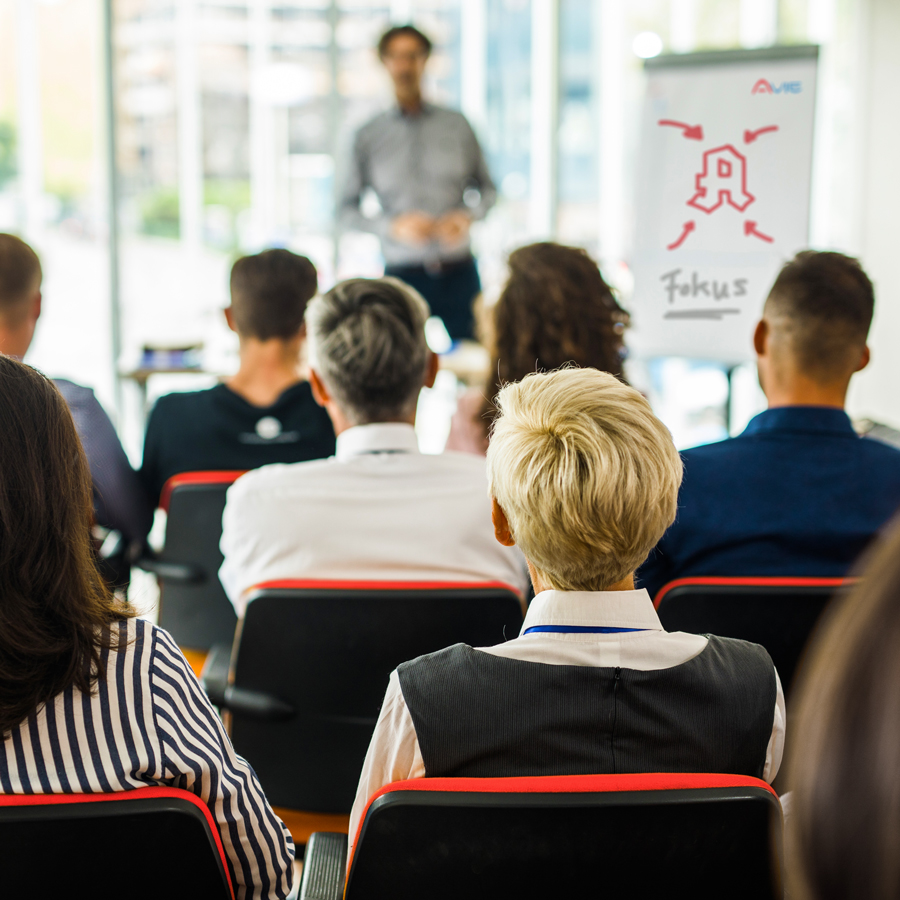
723	179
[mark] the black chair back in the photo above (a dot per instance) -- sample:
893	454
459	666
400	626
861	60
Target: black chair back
642	836
194	608
312	667
143	844
779	613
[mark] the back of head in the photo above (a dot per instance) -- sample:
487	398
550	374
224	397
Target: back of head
367	343
820	309
554	309
588	477
20	278
269	293
844	756
52	599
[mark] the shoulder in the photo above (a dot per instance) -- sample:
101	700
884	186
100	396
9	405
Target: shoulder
167	662
72	392
276	477
134	639
466	464
187	400
720	459
435	667
180	407
739	655
378	123
715	451
299	397
81	400
880	453
450	115
454	119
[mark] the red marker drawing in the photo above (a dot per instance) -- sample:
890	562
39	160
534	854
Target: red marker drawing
750	228
688	228
693	132
751	136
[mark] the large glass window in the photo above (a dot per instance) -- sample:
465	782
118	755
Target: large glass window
233	121
52	178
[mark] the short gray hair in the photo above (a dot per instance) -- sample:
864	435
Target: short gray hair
367	343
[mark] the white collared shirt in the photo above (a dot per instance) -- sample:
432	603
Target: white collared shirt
394	753
377	510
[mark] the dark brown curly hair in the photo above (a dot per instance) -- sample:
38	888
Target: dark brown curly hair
55	608
555	309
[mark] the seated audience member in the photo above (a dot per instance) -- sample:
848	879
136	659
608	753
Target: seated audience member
844	763
379	509
798	492
266	412
66	644
555	308
584	479
119	500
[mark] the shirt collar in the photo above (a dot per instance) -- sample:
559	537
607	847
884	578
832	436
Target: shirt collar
611	609
802	419
382	437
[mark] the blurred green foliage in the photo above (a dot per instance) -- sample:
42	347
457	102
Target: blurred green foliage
160	213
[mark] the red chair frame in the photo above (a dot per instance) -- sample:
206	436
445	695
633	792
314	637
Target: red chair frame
732	813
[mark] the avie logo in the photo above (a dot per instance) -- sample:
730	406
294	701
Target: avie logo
767	87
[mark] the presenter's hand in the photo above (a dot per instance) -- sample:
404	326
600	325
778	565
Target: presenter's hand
412	227
453	227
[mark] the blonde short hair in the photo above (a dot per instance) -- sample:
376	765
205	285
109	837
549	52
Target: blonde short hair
588	477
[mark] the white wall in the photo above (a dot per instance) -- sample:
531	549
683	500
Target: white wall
875	393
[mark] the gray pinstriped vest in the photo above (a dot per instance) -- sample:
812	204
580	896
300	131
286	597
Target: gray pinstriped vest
479	715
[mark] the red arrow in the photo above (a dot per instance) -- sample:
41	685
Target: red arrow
688	228
694	132
750	228
751	136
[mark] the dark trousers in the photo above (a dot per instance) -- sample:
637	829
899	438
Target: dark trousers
449	290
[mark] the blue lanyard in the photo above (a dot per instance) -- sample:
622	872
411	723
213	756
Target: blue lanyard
579	629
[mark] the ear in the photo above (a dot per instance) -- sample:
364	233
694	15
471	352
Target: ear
431	370
229	318
761	337
319	391
864	359
501	525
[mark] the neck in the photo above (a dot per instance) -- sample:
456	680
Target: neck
626	584
799	391
15	341
267	369
340	423
410	102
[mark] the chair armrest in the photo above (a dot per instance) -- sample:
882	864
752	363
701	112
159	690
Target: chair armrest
183	573
214	677
256	704
324	867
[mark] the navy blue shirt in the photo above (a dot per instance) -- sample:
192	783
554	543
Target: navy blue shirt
797	493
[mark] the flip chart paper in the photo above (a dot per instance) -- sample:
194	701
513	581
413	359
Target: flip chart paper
723	181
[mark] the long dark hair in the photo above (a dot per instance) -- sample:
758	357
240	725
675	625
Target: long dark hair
843	839
555	309
55	609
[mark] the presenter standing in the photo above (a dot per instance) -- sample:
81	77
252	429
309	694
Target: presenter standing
425	166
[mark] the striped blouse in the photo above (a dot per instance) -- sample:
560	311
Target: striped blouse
150	723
